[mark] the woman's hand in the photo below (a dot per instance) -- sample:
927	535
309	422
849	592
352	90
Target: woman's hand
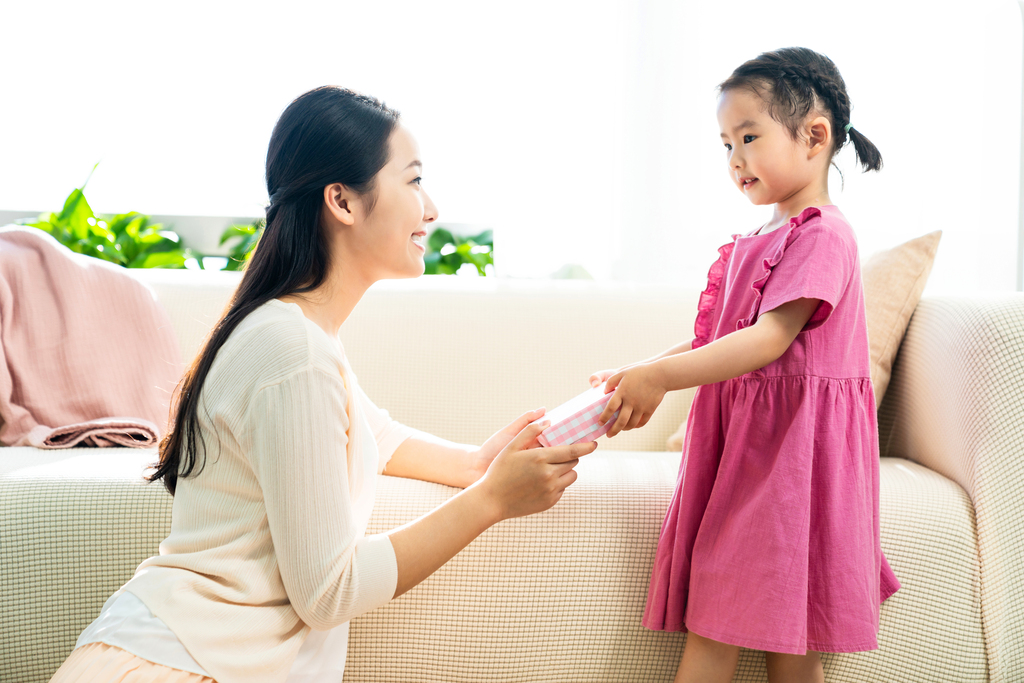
638	393
481	458
524	479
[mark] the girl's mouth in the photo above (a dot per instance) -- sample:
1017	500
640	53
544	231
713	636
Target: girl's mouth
748	182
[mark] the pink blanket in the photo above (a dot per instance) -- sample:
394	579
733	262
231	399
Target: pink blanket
88	357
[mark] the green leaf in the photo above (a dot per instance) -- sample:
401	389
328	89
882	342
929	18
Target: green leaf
233	231
129	248
165	259
76	214
439	238
107	252
484	238
118	222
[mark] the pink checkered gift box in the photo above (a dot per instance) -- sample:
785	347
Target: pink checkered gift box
575	420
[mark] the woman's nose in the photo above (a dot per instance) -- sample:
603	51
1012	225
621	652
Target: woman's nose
429	210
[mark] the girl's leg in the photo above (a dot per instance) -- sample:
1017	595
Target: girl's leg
783	668
707	661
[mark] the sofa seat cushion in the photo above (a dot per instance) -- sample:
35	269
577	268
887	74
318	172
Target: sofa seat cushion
559	595
74	525
554	596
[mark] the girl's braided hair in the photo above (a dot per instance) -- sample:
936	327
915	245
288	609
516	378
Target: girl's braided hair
794	81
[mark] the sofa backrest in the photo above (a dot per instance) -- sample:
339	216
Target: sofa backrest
461	357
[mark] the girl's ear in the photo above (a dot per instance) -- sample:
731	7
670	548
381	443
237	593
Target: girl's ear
341	203
819	136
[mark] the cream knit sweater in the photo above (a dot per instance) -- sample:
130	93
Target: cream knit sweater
269	539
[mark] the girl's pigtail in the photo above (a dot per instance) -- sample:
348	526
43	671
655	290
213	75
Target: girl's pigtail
868	155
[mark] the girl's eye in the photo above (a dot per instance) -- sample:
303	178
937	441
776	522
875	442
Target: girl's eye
418	180
748	138
728	146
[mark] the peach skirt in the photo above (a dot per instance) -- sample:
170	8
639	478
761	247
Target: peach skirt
102	663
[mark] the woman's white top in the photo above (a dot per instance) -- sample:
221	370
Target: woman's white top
269	540
127	623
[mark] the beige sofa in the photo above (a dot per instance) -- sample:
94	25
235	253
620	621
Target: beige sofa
558	596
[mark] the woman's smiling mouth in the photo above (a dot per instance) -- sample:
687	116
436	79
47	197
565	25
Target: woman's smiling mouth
746	183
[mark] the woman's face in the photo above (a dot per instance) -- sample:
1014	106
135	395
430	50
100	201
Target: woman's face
392	236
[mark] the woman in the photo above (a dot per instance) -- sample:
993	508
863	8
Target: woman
272	453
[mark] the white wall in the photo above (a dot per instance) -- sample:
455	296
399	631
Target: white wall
581	131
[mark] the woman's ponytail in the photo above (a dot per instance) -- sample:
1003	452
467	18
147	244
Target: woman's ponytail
327	135
868	155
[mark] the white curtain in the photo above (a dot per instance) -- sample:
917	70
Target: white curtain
582	132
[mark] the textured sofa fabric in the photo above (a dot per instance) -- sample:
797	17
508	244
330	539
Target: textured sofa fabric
558	596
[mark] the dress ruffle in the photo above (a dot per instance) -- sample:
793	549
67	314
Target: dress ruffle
709	297
769	264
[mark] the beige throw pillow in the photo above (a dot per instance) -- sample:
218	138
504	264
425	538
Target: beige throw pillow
893	283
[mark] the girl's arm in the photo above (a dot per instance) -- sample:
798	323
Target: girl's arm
603	375
640	389
741	352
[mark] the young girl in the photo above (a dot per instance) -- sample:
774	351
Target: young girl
771	541
273	452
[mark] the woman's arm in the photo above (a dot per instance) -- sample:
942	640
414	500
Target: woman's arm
520	481
431	458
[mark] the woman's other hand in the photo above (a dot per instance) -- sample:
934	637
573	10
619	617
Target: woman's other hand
638	393
481	458
524	478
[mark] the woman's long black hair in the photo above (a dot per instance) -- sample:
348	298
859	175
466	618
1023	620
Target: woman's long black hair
327	135
793	81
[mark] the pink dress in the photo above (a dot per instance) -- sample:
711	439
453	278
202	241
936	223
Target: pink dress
771	541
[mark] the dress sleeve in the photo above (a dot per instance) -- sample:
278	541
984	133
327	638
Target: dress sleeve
816	262
296	440
388	433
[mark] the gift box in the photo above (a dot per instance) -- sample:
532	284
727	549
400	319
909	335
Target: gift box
575	421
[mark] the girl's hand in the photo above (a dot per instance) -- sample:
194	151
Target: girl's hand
481	458
638	393
601	376
523	479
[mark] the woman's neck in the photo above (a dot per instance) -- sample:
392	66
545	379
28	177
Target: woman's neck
330	304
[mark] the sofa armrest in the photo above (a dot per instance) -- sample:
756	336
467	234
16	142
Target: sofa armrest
956	406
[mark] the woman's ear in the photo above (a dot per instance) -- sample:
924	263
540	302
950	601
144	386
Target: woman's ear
341	203
819	136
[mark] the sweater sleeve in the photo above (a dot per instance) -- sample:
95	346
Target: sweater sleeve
387	432
295	434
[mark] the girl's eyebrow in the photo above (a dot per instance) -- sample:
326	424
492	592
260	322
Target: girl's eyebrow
414	162
746	124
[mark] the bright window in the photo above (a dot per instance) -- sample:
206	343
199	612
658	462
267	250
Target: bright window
583	132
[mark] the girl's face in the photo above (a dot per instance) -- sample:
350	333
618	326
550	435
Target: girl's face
390	243
765	162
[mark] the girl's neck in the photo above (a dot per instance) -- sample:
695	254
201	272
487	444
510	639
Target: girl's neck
793	206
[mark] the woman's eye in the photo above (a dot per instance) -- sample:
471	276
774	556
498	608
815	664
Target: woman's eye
418	180
748	138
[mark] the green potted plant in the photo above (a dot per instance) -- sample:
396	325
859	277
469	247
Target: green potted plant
127	239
